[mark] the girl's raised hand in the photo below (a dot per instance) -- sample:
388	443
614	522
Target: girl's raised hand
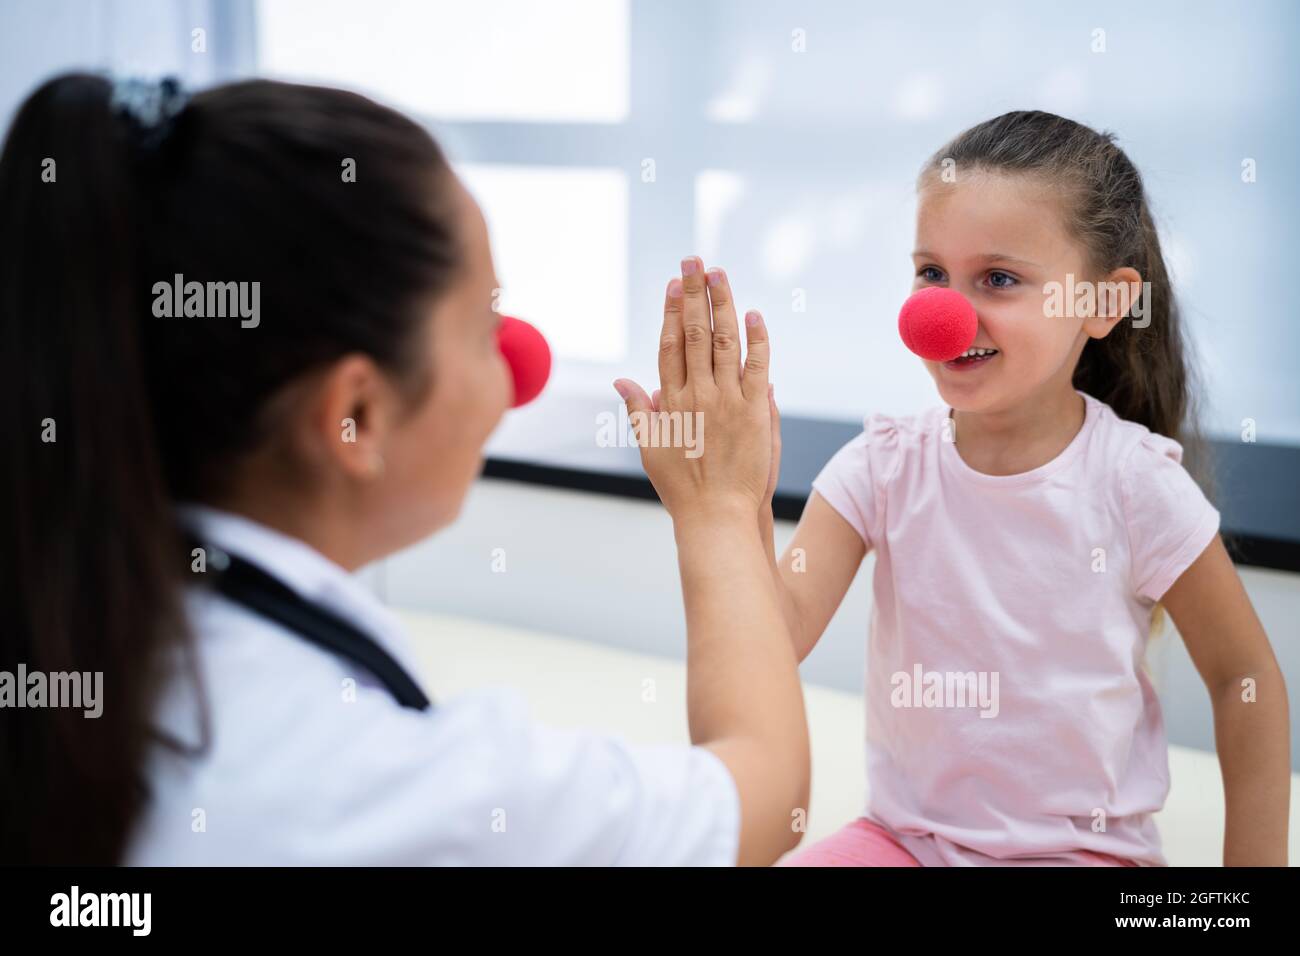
706	438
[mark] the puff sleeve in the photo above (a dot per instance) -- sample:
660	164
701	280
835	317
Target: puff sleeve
852	482
1170	521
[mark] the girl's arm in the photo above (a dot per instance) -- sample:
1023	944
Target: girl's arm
1228	645
817	568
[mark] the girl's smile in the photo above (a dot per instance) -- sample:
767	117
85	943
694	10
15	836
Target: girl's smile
974	358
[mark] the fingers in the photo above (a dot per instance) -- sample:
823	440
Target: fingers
753	383
654	399
726	331
672	357
697	330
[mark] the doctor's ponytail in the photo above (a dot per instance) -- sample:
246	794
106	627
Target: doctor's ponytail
114	414
88	570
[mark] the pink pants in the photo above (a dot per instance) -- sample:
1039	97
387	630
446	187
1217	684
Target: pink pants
864	843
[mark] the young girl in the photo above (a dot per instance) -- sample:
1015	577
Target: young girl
1025	531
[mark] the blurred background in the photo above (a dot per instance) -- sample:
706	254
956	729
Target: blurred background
780	139
606	139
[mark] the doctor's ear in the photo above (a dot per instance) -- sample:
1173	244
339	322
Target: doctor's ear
352	409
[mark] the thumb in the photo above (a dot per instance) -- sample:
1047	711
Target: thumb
633	395
637	400
775	414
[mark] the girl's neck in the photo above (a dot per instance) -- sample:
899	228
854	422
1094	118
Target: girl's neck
1013	441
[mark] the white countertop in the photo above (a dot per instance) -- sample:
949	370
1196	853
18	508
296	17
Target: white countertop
574	683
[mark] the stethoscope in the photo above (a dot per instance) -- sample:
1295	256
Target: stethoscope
247	584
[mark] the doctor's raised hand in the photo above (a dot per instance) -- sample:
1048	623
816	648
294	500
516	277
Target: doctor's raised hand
726	467
743	695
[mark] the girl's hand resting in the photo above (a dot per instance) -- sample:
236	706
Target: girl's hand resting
723	411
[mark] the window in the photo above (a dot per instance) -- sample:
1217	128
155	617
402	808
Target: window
607	138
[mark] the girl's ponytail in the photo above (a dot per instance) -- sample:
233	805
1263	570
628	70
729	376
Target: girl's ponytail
89	562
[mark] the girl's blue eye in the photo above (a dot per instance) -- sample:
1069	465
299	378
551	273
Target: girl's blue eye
933	274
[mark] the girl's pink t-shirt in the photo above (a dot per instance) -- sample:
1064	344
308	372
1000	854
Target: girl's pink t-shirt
1009	715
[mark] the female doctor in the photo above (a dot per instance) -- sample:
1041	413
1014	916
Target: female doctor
188	494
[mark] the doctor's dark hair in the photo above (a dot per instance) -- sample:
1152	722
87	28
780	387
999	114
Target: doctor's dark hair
113	415
1144	374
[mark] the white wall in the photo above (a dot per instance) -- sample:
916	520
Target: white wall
147	38
604	569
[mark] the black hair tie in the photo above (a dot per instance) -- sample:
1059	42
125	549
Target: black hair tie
149	108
